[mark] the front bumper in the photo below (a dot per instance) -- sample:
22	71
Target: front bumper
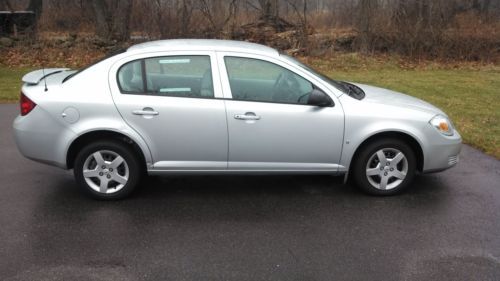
441	152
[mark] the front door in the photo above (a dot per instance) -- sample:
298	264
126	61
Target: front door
271	127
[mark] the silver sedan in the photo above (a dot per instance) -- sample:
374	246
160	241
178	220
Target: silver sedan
224	107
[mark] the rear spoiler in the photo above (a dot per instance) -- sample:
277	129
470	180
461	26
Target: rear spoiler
34	77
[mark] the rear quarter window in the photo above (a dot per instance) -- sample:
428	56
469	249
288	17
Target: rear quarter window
130	77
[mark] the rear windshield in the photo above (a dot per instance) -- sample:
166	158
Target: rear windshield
107	56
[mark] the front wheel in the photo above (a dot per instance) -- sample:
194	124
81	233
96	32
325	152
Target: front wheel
384	167
107	170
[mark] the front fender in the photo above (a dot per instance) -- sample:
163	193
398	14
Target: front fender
365	120
354	141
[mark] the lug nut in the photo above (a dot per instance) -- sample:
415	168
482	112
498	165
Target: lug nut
111	169
387	164
104	167
100	174
385	174
392	169
108	176
381	168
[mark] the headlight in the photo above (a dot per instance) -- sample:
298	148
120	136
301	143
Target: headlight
442	124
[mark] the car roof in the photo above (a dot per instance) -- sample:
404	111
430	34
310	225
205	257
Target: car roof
203	45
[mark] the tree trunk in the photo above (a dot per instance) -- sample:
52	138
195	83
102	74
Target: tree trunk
476	6
113	24
5	5
121	20
366	11
186	13
36	6
101	13
269	10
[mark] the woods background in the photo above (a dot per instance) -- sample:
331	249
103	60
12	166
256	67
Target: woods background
442	29
446	52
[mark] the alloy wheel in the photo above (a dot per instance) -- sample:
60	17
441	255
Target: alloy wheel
105	171
387	168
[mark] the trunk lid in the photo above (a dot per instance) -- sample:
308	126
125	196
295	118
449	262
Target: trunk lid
34	77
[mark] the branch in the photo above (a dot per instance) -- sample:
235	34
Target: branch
253	6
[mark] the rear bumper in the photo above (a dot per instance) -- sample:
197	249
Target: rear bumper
41	138
442	152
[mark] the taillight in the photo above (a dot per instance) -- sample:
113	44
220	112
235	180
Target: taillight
27	105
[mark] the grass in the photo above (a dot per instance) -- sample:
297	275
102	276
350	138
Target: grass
10	82
469	94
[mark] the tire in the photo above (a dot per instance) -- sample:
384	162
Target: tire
376	178
112	170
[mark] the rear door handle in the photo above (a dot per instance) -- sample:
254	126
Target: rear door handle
145	111
247	116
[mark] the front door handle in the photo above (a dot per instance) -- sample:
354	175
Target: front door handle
247	116
145	111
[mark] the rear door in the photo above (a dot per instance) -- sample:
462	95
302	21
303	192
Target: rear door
170	99
271	128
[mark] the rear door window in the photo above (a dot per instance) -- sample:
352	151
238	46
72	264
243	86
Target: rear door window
183	76
178	76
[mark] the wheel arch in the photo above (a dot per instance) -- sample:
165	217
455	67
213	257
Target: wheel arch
407	138
78	143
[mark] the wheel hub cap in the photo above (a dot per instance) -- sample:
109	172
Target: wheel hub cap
387	168
105	171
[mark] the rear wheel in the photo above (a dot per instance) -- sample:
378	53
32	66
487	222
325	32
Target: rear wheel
384	167
107	170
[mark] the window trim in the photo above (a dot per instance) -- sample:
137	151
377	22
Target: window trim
276	102
143	73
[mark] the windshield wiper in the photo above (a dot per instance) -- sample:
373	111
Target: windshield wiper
353	90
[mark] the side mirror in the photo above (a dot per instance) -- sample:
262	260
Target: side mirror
319	98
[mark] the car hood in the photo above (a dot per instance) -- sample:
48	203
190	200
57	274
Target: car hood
384	96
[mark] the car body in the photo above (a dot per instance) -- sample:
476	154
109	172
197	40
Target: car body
226	107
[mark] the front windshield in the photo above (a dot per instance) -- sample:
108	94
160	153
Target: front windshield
323	77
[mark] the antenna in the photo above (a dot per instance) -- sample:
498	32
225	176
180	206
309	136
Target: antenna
44	79
43	73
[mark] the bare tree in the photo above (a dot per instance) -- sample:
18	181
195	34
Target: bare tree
300	9
173	18
112	18
160	18
185	9
366	10
269	9
481	6
6	5
36	6
217	16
